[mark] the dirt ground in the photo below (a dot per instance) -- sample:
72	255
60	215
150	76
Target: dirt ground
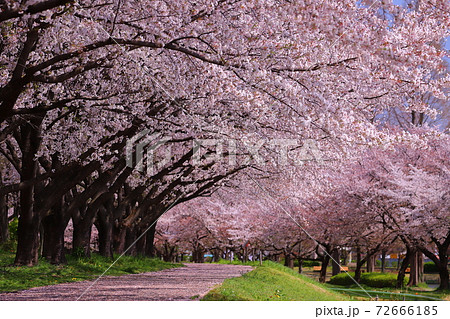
185	283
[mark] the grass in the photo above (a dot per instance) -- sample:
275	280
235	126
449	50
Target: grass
383	286
18	278
237	262
421	292
372	279
272	281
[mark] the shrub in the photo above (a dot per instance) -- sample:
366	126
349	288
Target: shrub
342	279
430	268
373	279
380	280
307	263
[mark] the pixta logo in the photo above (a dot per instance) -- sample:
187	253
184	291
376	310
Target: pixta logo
152	151
143	146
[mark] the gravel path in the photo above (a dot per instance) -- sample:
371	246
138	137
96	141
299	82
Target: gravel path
184	283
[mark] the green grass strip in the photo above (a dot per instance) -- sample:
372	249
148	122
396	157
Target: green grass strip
272	281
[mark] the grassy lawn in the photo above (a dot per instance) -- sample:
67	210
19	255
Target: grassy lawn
421	292
272	281
77	269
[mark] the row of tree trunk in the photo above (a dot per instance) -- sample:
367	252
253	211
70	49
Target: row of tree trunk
413	260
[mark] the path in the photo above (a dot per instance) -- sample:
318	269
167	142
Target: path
184	283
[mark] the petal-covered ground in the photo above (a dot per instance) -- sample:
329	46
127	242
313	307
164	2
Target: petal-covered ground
184	283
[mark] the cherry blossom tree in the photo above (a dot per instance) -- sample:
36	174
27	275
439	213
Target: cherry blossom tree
79	79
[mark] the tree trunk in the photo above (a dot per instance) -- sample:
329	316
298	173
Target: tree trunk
416	268
81	242
402	270
441	262
245	253
371	263
141	243
29	219
442	266
198	255
119	236
443	277
346	255
54	226
129	240
104	226
335	263
420	267
300	265
216	255
288	260
359	264
28	230
383	261
323	269
4	233
169	253
149	242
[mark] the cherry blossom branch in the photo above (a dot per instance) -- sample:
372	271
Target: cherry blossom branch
32	9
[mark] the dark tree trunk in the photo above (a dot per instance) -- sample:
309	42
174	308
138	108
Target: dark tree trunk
276	258
198	255
444	277
345	257
81	242
288	260
149	242
416	265
370	262
359	264
4	233
441	262
144	246
141	244
29	219
83	221
169	253
402	270
130	238
216	255
104	226
335	263
28	232
54	226
245	253
323	269
383	261
119	237
300	265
